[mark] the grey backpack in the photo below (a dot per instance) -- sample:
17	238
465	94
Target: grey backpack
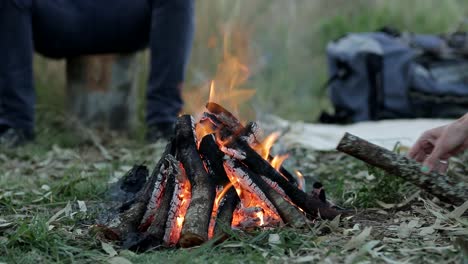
385	75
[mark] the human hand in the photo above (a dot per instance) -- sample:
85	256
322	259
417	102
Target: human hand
437	145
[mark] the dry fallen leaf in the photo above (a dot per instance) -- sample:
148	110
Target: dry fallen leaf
119	260
358	240
109	249
274	239
82	206
66	211
459	211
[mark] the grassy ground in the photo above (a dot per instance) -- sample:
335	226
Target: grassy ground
50	192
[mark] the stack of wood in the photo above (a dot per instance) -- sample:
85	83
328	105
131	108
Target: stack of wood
208	181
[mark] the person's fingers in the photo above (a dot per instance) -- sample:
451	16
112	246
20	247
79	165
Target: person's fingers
420	157
415	150
432	160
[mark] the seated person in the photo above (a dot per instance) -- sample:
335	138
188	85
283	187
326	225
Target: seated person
64	28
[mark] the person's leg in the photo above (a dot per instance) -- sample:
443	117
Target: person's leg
172	25
17	96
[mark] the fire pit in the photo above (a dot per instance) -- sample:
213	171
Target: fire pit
214	174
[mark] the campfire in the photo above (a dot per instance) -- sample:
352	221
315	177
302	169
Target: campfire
214	174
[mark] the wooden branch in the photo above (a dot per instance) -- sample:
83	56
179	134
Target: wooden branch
154	234
248	179
226	117
225	213
132	212
249	132
310	204
197	219
437	184
213	158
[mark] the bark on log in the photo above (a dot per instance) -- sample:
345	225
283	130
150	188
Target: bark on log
310	204
250	132
197	219
213	158
437	184
225	213
133	212
126	189
288	213
226	117
154	235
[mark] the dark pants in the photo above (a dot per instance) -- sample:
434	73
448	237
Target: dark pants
63	28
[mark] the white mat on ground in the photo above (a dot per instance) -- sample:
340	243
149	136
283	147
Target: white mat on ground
384	133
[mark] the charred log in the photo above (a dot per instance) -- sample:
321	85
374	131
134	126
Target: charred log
250	132
154	235
288	213
178	205
197	219
157	196
213	158
132	213
310	204
229	203
225	117
435	183
130	184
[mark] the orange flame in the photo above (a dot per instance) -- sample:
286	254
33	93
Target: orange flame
278	160
300	180
263	149
227	86
202	129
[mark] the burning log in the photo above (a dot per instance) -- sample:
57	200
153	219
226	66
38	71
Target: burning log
213	158
288	213
179	204
250	132
154	234
197	219
225	117
228	204
310	204
435	183
133	211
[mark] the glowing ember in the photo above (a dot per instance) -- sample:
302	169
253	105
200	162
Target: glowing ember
219	196
250	199
182	195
